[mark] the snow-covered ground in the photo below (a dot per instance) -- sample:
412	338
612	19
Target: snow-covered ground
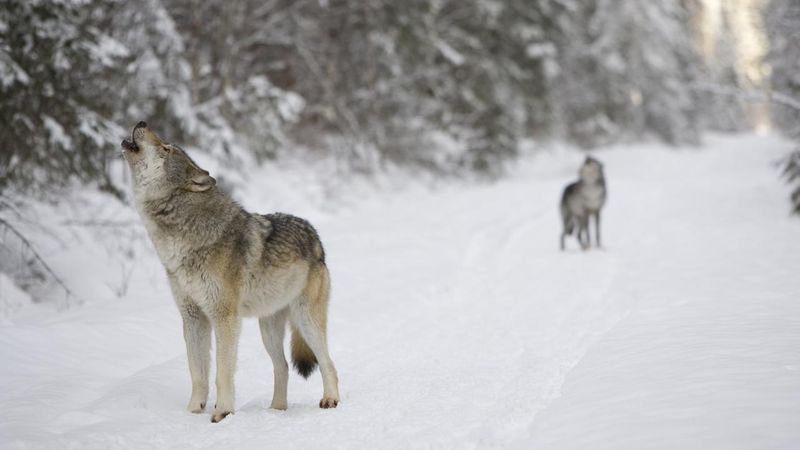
456	322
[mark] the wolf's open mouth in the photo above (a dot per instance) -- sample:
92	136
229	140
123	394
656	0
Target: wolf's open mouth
128	144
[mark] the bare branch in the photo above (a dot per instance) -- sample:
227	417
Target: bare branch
35	254
785	100
752	95
328	89
98	223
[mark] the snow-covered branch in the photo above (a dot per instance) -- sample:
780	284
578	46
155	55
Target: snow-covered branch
752	95
29	246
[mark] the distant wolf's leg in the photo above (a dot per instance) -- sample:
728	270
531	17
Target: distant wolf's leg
569	225
273	329
197	334
583	233
587	226
226	329
597	227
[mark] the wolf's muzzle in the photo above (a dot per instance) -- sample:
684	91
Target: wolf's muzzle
128	144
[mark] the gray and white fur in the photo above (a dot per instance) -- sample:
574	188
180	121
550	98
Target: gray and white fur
582	200
223	264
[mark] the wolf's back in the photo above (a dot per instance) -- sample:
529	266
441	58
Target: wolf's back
291	234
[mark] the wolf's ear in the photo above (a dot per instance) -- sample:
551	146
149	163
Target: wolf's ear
200	182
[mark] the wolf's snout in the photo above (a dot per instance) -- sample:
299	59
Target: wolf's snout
128	144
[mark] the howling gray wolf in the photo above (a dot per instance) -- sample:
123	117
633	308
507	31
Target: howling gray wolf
582	199
224	264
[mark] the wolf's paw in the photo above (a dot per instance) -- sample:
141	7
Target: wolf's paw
281	406
196	406
219	415
329	402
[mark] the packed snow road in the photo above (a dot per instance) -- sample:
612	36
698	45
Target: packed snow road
456	322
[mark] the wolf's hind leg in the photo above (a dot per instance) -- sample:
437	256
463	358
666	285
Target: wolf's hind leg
197	334
273	330
314	336
309	316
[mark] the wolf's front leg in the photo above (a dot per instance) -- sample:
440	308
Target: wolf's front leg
197	334
583	234
226	329
597	228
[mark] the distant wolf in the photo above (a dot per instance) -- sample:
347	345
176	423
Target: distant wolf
223	264
582	199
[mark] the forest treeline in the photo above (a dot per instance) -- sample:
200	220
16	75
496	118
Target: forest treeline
449	85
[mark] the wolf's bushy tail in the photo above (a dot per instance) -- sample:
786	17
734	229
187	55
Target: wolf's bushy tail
303	358
317	293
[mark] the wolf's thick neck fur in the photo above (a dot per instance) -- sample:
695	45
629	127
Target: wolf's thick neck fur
193	219
593	192
191	212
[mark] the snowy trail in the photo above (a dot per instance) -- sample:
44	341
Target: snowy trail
456	322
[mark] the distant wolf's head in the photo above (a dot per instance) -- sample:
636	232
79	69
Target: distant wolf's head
159	168
591	170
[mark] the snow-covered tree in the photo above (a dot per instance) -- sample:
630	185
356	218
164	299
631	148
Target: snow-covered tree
158	79
394	74
627	69
783	24
59	70
444	84
238	60
723	107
